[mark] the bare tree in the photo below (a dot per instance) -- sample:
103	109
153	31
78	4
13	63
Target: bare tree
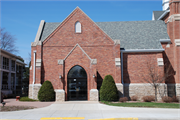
155	76
7	41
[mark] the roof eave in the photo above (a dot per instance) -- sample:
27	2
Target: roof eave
3	51
142	50
164	14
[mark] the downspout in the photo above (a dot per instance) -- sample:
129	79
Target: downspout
34	73
122	71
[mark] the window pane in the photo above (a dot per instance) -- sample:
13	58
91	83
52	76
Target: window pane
77	72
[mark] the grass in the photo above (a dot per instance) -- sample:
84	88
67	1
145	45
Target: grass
14	108
145	104
26	99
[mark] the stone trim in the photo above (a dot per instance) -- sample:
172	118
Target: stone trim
74	48
117	61
141	90
39	30
138	84
60	62
94	61
60	95
174	17
177	42
94	95
38	62
30	68
160	61
36	43
35	84
117	42
33	91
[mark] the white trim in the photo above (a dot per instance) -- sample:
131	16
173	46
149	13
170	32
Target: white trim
165	13
60	62
177	42
59	90
142	50
153	16
117	61
94	61
74	48
38	62
93	90
160	61
34	66
165	40
39	31
119	84
35	85
117	42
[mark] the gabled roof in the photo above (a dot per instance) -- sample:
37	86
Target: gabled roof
132	34
48	29
136	34
157	14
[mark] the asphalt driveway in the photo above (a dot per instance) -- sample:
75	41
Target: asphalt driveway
92	110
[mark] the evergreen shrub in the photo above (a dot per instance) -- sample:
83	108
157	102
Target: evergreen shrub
108	90
46	92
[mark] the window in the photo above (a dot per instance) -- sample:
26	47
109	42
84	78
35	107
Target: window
5	63
77	27
13	65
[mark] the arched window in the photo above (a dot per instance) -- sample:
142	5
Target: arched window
77	27
77	72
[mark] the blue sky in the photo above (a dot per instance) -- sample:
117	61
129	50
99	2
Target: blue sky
21	18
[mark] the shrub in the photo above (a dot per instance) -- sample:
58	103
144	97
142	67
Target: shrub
108	90
123	99
134	98
26	99
148	98
46	92
167	99
175	99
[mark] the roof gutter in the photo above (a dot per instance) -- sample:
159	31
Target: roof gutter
164	14
165	40
142	50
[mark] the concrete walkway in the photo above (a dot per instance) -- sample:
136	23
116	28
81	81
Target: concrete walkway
92	110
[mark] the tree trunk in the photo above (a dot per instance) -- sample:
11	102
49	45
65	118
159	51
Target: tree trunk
155	93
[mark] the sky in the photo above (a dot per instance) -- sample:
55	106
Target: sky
21	18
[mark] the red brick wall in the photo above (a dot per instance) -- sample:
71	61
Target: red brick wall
93	41
172	53
135	66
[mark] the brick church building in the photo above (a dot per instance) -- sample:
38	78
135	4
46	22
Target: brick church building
77	53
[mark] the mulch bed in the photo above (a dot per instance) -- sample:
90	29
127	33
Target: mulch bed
14	108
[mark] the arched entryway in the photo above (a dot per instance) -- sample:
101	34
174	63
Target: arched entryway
77	83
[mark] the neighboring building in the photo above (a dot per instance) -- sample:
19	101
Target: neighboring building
11	68
76	54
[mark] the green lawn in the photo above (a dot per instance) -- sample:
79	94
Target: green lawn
26	99
145	104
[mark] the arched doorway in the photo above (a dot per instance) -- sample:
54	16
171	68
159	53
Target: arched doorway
77	83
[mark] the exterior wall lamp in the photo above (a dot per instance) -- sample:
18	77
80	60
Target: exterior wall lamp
60	76
94	76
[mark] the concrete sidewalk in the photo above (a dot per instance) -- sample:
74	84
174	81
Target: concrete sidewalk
92	110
